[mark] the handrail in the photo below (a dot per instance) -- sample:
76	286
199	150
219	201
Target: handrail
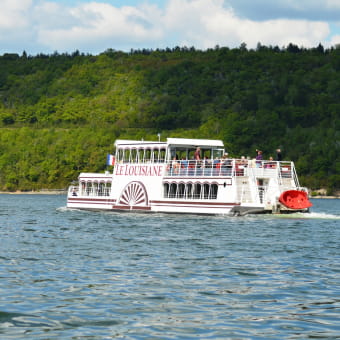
230	167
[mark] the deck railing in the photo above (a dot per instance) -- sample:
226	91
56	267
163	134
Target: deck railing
230	168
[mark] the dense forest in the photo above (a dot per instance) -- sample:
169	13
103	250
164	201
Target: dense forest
60	113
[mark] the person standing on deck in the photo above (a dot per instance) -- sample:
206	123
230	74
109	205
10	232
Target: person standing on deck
278	155
197	154
259	158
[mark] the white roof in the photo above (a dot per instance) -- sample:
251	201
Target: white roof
195	142
180	142
139	143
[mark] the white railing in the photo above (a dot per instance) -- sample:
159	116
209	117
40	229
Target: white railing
230	168
192	168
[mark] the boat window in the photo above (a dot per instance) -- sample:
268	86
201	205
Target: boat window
172	153
147	155
82	188
188	190
206	190
155	155
89	188
122	155
191	153
217	153
213	191
95	189
180	190
197	191
136	155
107	189
132	156
119	155
125	155
172	191
206	153
101	189
166	190
162	155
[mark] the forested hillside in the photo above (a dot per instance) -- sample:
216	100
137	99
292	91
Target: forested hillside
60	113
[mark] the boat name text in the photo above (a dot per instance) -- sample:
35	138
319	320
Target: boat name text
139	170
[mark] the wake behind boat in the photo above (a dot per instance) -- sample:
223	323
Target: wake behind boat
189	176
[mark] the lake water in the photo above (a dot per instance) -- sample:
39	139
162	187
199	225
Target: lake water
87	275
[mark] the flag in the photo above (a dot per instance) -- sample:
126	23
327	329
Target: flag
110	160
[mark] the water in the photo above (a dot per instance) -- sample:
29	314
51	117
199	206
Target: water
85	275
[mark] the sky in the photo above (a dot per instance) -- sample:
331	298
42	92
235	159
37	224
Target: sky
64	26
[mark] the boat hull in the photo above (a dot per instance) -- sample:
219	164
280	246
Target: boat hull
159	206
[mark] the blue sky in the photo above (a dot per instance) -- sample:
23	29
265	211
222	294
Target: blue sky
46	26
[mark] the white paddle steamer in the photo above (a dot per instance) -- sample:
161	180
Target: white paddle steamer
188	176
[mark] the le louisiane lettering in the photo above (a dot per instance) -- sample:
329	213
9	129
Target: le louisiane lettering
138	170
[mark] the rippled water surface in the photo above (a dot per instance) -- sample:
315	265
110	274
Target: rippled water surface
85	275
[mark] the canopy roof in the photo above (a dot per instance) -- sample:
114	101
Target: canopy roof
173	142
211	143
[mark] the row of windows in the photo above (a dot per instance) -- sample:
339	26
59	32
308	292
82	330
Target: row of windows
95	188
159	155
190	190
141	155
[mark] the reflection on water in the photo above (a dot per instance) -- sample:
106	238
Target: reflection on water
85	275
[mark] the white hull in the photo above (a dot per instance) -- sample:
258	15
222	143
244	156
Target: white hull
157	207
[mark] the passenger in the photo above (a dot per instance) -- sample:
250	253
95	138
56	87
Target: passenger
207	162
175	166
226	165
270	164
191	167
207	166
240	165
197	154
259	158
197	158
184	166
253	163
217	166
244	161
278	155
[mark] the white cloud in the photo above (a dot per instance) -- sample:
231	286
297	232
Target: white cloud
207	23
13	13
333	4
50	16
97	23
335	40
46	26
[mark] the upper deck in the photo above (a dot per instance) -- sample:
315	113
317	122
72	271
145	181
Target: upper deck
179	159
132	151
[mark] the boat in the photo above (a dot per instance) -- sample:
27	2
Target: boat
193	176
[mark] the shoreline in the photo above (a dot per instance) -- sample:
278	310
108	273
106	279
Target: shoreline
36	192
